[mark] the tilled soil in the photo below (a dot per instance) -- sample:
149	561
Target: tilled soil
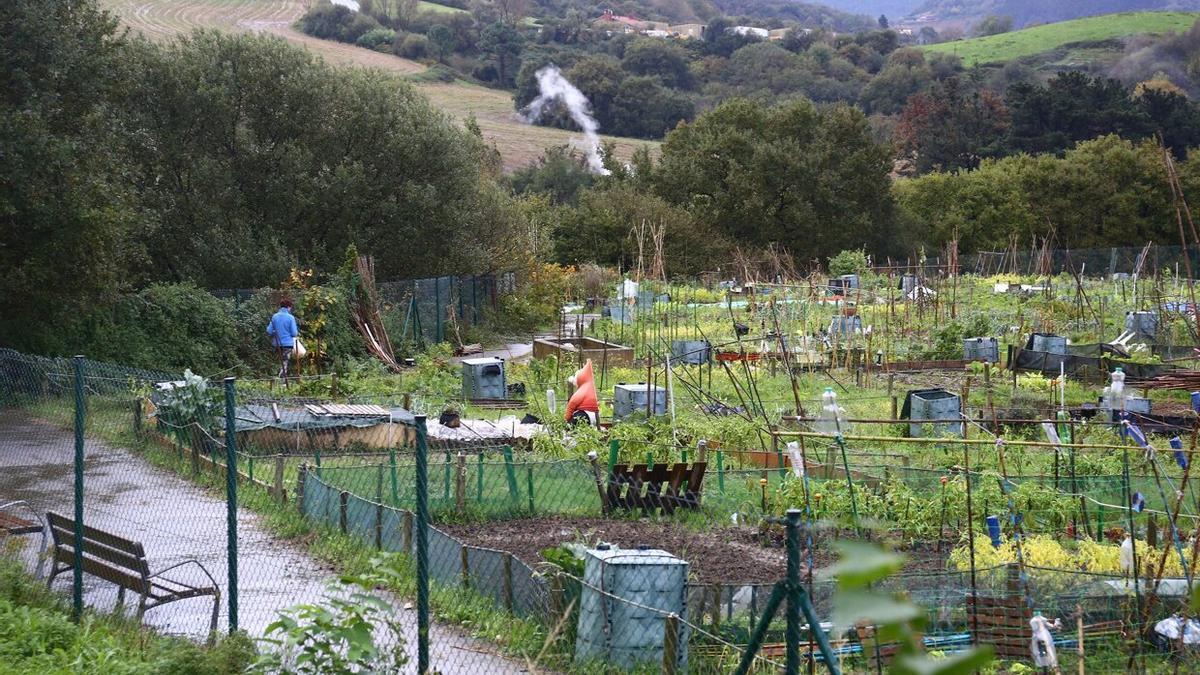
725	555
719	554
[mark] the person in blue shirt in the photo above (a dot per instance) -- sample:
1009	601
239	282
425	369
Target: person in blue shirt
283	331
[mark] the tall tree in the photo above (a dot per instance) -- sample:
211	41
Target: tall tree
810	179
67	228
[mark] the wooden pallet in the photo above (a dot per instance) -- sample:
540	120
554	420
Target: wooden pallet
655	488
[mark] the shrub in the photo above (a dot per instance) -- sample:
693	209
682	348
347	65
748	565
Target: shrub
378	38
414	46
848	262
168	327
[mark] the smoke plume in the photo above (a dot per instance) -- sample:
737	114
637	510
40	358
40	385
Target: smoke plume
552	88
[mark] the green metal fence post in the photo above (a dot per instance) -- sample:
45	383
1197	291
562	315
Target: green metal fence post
614	451
395	486
529	480
721	471
77	583
317	459
446	480
792	665
231	499
510	472
437	296
422	536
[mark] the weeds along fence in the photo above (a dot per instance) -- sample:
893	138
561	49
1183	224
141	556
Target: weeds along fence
478	530
422	310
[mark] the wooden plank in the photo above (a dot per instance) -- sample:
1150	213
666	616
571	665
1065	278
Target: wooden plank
62	524
98	568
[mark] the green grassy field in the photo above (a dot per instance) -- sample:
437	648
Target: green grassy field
1040	39
440	9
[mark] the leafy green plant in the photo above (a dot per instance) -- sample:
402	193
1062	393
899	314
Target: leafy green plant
893	618
352	630
849	262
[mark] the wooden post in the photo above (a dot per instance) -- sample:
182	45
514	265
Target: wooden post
556	597
716	593
300	478
506	589
987	383
137	418
195	459
604	506
343	501
279	493
892	395
466	569
460	484
670	661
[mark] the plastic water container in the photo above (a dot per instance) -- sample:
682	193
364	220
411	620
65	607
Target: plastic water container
1046	342
1116	389
1142	323
908	282
985	349
483	378
623	626
937	406
846	325
631	398
829	417
993	529
692	352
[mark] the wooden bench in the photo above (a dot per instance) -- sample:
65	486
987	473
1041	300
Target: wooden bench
123	562
14	525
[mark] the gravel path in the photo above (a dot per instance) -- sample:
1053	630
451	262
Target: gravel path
176	521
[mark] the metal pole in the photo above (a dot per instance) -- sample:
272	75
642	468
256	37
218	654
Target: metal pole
792	666
231	499
77	584
422	549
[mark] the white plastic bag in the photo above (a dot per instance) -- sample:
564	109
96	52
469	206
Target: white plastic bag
298	350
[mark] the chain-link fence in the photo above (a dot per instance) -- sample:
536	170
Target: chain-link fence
498	559
420	311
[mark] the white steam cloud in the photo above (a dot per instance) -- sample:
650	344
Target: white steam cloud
552	87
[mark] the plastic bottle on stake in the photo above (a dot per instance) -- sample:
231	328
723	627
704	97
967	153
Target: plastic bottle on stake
829	420
1116	390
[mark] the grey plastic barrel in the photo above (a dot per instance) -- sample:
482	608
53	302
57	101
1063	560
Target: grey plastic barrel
1142	323
483	378
618	311
692	352
632	398
846	325
937	406
625	599
985	349
1052	344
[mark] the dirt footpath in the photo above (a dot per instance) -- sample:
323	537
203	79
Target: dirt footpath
177	521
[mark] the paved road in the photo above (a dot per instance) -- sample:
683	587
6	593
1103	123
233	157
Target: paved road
177	521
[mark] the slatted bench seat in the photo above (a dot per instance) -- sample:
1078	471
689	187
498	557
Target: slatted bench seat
123	562
13	525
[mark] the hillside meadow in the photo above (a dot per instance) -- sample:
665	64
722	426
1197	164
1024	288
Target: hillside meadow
518	143
1039	39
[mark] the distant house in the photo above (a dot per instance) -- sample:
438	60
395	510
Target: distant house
750	31
777	34
688	31
655	32
616	23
